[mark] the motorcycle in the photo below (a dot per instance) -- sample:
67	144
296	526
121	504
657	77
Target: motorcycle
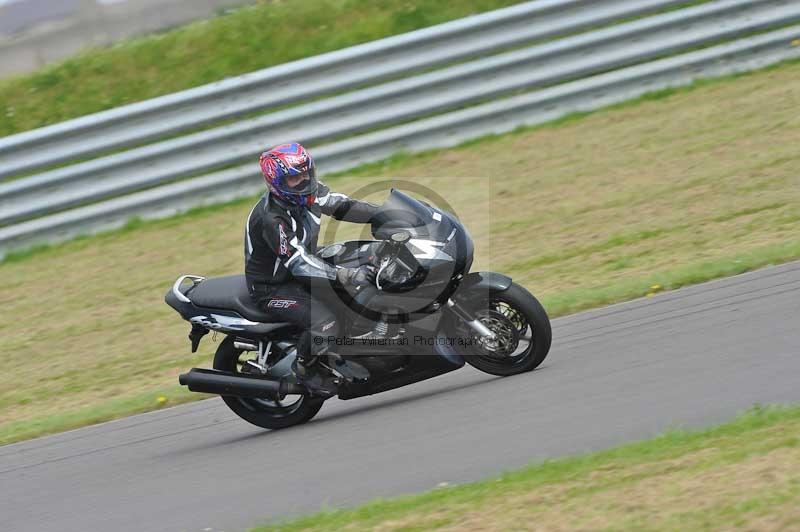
426	315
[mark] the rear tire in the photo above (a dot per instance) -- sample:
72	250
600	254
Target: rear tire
263	412
523	313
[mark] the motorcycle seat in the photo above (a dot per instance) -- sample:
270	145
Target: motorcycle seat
228	293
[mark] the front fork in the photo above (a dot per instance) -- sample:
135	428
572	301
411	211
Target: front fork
471	321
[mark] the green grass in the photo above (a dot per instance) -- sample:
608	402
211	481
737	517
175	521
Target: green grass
236	42
72	418
248	39
694	185
571	301
558	304
743	475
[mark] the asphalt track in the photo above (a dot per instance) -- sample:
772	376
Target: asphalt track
689	358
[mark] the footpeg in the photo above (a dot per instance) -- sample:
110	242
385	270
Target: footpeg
251	366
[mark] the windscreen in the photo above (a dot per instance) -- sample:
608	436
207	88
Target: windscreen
401	212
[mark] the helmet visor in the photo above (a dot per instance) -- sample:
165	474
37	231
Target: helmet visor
304	184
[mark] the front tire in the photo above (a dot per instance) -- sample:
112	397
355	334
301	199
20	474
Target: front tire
265	413
517	317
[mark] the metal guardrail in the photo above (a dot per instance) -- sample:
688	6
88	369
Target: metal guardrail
311	78
580	94
390	103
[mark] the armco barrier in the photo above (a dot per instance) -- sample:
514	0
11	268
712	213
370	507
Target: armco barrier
388	104
311	78
567	92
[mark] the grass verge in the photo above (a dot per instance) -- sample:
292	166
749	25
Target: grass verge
557	305
251	38
743	475
695	185
148	401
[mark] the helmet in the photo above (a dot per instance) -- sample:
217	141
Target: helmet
288	160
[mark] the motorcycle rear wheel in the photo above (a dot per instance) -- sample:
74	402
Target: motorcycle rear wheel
265	413
522	328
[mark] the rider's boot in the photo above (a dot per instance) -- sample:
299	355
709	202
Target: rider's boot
329	374
307	366
321	371
311	372
316	367
350	371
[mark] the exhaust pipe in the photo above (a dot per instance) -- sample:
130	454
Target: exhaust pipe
238	385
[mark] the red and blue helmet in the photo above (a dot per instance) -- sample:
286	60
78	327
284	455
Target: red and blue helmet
287	160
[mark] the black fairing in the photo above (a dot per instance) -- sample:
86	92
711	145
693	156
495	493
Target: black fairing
440	248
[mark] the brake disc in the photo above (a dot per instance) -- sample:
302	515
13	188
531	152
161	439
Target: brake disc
506	334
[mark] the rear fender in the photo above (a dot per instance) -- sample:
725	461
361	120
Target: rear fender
204	320
227	321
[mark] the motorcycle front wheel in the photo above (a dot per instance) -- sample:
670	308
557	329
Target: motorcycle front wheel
265	413
521	328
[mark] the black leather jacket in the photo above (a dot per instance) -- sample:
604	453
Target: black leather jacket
281	239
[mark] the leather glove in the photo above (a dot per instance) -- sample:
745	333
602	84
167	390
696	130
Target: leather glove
361	276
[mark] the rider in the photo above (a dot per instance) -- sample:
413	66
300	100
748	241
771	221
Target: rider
280	244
